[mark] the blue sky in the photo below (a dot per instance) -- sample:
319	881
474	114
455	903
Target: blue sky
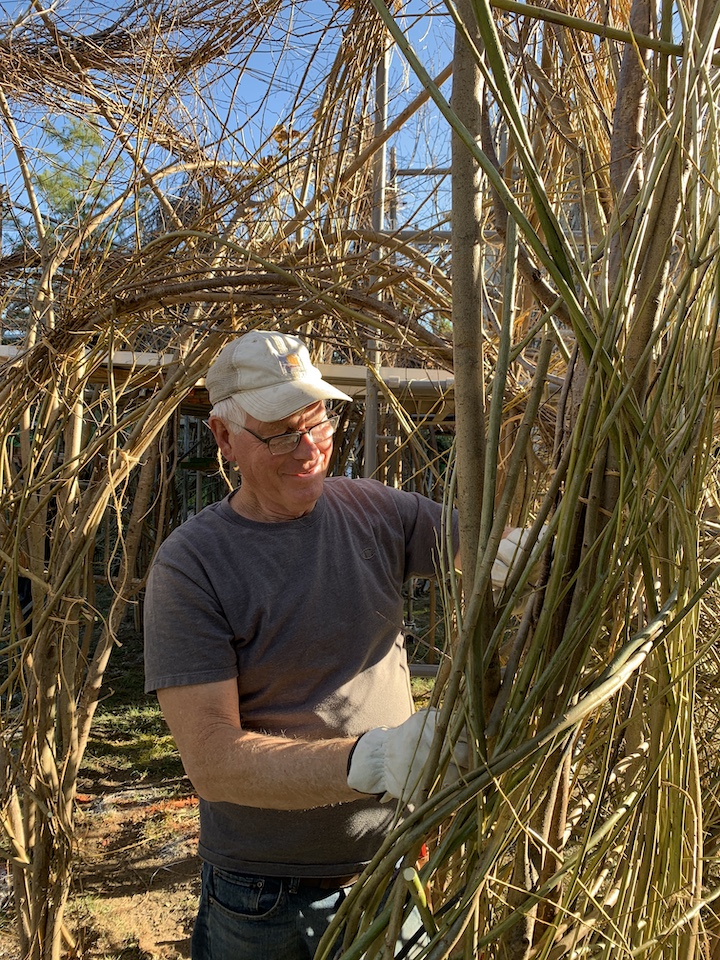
239	81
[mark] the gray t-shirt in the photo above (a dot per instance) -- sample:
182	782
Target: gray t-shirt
306	614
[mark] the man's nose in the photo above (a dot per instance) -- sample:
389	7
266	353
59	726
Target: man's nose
301	450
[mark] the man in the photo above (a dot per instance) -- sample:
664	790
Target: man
273	640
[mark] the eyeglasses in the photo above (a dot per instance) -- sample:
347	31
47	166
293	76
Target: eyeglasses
320	433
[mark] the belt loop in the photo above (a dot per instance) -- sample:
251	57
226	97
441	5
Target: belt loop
294	885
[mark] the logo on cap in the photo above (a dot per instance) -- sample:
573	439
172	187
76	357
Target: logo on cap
292	366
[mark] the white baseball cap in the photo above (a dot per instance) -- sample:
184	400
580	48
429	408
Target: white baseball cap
270	374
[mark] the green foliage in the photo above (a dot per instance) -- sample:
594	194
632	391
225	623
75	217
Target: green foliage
73	181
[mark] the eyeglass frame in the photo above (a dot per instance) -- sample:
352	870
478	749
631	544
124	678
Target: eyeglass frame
333	419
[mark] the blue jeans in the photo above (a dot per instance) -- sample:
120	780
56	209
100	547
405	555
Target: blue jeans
244	917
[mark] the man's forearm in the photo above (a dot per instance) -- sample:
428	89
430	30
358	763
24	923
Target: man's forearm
258	770
229	764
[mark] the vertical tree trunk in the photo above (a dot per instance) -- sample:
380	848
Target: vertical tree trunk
467	304
467	218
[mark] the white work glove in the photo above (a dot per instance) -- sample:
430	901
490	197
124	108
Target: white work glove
390	761
507	552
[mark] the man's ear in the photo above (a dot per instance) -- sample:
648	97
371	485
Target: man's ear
222	437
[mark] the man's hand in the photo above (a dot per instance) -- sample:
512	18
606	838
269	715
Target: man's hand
390	761
514	539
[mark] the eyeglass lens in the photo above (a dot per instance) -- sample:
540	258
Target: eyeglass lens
320	433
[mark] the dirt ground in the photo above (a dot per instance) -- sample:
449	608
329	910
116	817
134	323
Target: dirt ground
137	876
137	883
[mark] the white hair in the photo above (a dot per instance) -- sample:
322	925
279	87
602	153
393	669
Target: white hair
231	412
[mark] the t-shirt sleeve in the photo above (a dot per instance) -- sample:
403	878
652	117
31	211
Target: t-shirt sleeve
187	638
425	533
